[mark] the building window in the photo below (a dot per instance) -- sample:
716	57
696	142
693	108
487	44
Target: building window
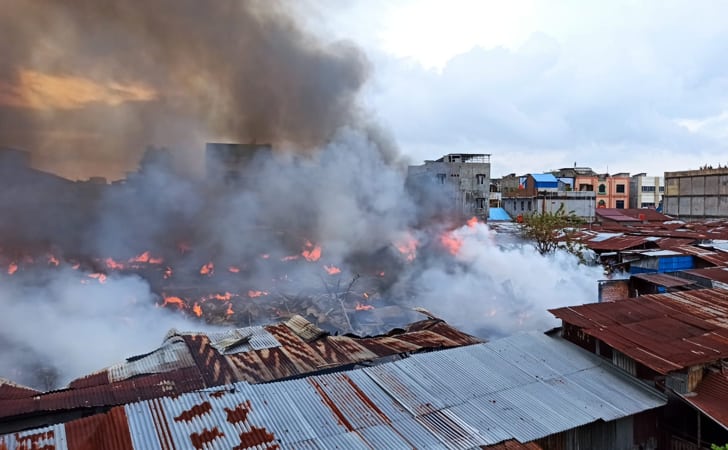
480	202
522	202
480	178
529	205
620	189
648	189
620	204
602	204
647	205
662	188
602	189
441	177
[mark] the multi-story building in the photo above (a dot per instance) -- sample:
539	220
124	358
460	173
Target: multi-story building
646	192
459	181
544	193
696	194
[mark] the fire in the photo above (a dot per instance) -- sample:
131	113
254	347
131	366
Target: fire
254	294
208	269
197	310
12	268
99	276
229	310
52	260
381	274
408	247
451	243
167	273
365	295
332	270
472	222
113	265
171	300
76	266
233	269
222	297
311	252
265	256
363	307
146	257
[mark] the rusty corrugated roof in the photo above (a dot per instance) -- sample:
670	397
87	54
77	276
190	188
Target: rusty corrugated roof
661	279
666	332
710	256
293	355
719	274
617	243
11	390
513	445
711	397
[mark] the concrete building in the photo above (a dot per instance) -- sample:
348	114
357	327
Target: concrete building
544	193
696	194
460	181
646	192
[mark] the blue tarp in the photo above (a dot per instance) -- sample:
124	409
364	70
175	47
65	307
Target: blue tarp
545	180
498	214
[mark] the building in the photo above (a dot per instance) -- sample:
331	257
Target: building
696	194
544	193
646	192
459	183
228	162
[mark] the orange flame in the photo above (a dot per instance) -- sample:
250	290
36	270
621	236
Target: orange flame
76	266
311	252
113	265
265	256
365	295
12	268
167	273
171	300
233	269
99	276
408	247
197	310
472	222
332	270
451	243
208	269
363	307
229	310
254	294
381	274
52	260
222	297
144	257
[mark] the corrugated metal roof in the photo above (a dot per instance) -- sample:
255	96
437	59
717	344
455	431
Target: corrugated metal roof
711	397
710	256
719	274
401	404
662	279
617	243
665	332
544	177
190	361
513	445
11	390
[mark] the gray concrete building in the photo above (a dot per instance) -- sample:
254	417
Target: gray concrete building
459	184
696	194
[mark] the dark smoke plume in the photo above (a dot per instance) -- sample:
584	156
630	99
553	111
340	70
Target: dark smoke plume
86	85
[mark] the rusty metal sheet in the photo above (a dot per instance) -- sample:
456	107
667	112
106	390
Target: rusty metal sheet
351	348
443	329
719	274
212	365
10	390
303	356
619	243
305	329
711	397
662	279
428	339
90	433
249	367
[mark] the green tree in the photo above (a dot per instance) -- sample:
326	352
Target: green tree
551	230
718	447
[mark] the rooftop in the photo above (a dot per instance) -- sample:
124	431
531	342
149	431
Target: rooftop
665	332
519	388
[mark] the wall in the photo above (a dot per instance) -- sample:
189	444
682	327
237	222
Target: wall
696	194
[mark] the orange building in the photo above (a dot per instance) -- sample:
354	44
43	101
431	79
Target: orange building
612	191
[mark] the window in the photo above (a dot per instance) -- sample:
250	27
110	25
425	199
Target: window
620	204
522	205
441	177
662	188
480	202
647	205
529	205
620	189
602	204
480	178
648	189
602	189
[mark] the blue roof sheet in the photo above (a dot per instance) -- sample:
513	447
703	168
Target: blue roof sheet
498	214
544	177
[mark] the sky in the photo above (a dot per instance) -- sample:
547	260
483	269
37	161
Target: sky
618	86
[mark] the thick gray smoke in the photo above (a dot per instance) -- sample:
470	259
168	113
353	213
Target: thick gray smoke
86	85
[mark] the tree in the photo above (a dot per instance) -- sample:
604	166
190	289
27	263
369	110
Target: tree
718	447
551	230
